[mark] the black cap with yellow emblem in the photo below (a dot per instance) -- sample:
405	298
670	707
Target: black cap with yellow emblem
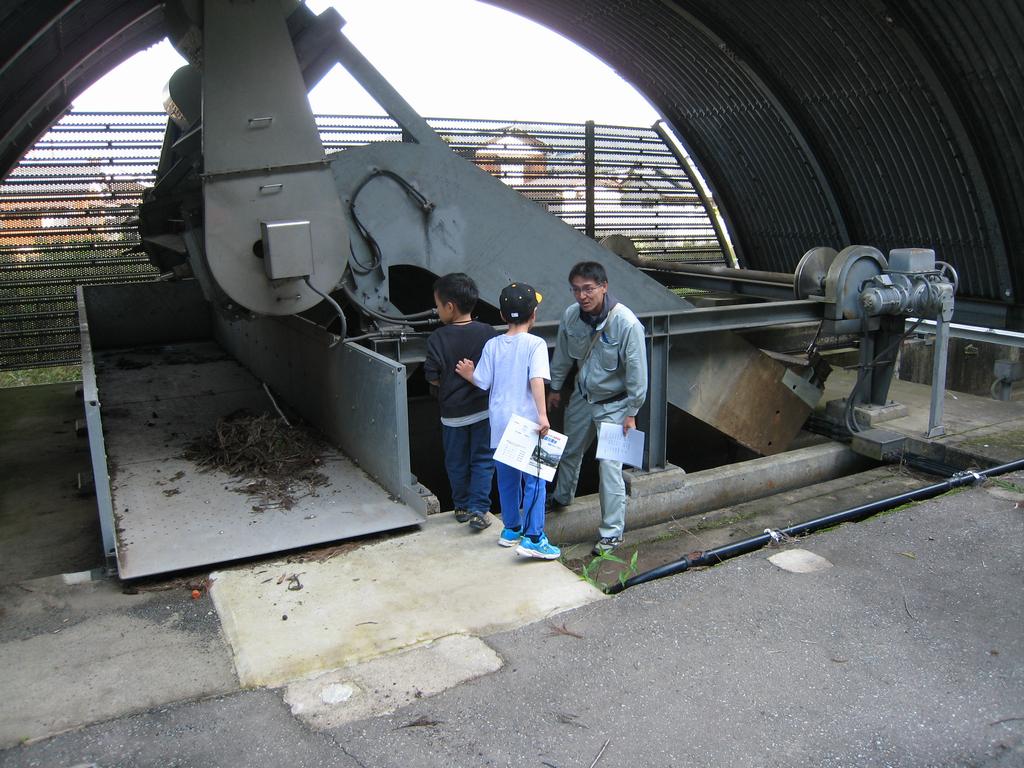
517	302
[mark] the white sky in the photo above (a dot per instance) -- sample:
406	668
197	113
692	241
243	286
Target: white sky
448	58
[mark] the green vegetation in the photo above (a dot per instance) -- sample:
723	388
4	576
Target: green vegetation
28	376
894	510
590	571
1007	486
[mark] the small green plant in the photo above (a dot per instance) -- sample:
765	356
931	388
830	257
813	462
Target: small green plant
590	570
1007	486
623	575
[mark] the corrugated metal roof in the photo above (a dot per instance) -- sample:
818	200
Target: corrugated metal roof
884	122
837	121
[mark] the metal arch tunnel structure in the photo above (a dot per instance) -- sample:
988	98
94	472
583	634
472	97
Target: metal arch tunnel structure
259	168
829	123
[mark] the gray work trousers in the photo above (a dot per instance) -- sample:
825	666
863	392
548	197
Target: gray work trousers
581	420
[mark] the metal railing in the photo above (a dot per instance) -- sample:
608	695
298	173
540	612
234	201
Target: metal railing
68	210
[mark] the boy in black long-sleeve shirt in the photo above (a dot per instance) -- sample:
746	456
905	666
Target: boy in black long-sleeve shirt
465	429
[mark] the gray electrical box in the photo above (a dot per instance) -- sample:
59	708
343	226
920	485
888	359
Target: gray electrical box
912	260
287	249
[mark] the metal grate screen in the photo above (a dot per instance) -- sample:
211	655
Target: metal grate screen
67	210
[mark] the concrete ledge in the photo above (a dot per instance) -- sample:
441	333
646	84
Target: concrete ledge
640	483
867	416
700	492
879	444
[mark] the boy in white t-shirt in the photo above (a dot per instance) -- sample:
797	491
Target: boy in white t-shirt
514	367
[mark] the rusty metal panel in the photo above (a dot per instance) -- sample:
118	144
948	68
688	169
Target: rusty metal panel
737	389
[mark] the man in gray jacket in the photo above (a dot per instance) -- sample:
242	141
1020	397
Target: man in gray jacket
606	341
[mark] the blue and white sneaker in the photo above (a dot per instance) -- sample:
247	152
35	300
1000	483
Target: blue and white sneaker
543	549
509	538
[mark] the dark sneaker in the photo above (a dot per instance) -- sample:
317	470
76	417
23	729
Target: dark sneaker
543	549
479	522
550	505
606	544
463	515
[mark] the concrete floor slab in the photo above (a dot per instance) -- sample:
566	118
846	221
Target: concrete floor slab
797	665
79	654
992	430
442	580
382	685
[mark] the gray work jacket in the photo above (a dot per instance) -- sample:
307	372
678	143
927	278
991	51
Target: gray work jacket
616	365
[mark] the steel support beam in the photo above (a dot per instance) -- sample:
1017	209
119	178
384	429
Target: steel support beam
590	176
971	333
738	283
653	417
935	412
988	314
97	448
408	349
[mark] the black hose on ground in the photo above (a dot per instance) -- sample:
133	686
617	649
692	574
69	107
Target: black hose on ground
715	556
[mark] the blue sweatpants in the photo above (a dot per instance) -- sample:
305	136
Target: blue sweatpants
522	498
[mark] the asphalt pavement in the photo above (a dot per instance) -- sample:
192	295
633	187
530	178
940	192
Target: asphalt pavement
906	651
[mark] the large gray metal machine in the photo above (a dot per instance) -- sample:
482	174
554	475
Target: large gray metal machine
315	275
248	203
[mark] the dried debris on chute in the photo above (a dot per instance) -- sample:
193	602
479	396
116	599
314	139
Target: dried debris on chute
280	462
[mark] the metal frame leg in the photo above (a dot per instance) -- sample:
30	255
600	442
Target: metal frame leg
935	428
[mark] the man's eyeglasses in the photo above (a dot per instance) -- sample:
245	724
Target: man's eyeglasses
583	290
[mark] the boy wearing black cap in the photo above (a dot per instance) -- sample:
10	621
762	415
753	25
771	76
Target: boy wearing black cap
514	367
465	431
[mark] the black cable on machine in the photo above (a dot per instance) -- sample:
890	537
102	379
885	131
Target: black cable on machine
357	266
426	317
385	335
425	205
334	305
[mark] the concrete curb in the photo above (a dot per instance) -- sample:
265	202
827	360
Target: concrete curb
664	496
